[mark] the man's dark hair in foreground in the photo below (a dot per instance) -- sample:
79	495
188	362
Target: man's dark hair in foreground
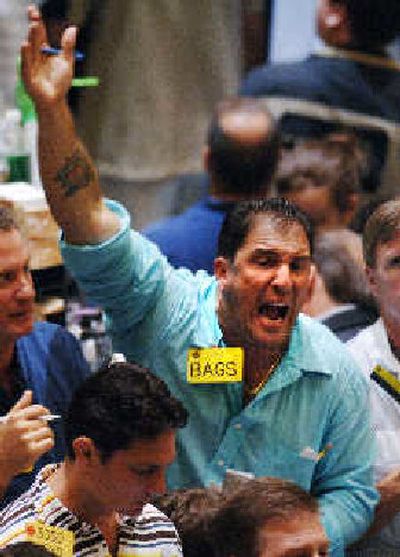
236	521
239	220
253	514
119	405
243	144
25	549
192	511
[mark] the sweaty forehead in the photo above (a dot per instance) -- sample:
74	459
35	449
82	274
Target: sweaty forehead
274	232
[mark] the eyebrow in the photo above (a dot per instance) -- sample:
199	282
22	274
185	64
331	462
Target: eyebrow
275	251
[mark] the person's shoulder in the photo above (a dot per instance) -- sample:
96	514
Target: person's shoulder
179	226
326	351
153	527
369	345
48	333
319	334
17	513
280	78
150	514
363	339
42	334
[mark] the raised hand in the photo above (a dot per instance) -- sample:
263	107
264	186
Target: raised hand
47	78
24	437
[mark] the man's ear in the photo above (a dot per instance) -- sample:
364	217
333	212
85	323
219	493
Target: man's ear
221	268
372	279
311	283
84	449
206	158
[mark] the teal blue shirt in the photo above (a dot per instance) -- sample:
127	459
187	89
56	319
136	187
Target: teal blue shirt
315	397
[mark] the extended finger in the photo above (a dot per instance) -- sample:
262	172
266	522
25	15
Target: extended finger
37	36
24	402
68	42
40	434
33	13
31	413
37	448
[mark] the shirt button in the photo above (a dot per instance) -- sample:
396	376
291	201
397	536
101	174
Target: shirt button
238	426
221	463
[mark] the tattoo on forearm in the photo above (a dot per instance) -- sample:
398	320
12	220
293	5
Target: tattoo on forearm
75	175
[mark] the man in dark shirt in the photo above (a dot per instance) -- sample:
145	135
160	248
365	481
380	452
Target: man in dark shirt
240	159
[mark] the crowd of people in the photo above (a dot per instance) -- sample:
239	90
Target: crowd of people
251	406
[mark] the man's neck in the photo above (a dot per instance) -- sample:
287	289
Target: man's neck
393	333
69	487
221	194
259	364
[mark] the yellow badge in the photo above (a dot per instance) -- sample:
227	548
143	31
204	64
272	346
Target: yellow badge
214	365
53	538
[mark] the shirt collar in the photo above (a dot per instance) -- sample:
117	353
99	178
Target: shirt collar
300	354
359	56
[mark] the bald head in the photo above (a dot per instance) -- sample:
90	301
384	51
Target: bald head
243	144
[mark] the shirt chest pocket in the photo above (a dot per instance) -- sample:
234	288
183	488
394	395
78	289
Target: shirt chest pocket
279	460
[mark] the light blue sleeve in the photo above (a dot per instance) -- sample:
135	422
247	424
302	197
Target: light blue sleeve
146	300
344	481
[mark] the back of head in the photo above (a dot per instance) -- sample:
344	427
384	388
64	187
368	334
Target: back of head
239	219
192	511
381	227
373	23
243	145
120	404
339	261
249	507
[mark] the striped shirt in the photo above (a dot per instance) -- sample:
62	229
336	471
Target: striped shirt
151	534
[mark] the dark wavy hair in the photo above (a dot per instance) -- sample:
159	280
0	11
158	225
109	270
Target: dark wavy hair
119	404
248	508
372	22
239	219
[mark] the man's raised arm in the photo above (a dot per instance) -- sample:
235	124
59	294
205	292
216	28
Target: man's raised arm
67	171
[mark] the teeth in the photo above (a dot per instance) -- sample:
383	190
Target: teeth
274	311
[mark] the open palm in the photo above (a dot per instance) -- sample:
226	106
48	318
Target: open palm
47	78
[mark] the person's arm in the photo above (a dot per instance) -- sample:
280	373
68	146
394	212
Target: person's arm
24	437
67	171
388	506
344	481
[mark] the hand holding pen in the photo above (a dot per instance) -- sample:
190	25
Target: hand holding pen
24	436
47	78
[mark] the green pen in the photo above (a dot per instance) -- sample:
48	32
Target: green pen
88	81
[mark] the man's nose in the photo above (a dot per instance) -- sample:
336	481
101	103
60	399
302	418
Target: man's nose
282	276
157	484
25	288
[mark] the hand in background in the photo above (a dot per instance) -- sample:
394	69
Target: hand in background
24	437
47	78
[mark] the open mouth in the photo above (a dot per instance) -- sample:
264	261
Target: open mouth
21	315
274	312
